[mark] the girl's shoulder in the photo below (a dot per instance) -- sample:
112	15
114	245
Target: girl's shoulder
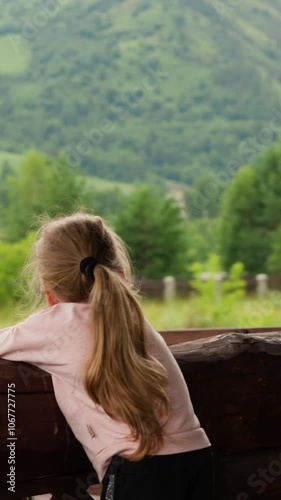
63	310
61	317
156	342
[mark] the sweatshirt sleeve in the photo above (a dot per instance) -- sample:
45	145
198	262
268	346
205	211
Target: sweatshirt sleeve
34	340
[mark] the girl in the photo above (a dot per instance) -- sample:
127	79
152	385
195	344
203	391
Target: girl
115	379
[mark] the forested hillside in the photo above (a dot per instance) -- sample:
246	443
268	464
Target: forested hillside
168	87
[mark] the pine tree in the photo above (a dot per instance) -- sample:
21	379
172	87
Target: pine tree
152	226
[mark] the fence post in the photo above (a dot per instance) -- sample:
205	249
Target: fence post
169	288
219	277
262	285
204	277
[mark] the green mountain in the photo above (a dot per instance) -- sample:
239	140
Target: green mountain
130	88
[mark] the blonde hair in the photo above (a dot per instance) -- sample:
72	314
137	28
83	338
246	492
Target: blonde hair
120	375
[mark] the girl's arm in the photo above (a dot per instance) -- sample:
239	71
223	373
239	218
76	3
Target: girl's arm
35	340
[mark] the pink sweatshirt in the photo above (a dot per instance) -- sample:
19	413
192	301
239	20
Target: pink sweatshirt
58	340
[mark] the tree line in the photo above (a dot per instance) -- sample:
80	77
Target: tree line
150	222
251	216
163	238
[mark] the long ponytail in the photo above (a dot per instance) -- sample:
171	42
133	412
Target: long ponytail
120	375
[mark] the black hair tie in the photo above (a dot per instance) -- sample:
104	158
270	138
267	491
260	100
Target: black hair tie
88	265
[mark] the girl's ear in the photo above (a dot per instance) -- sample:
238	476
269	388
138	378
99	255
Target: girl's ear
51	299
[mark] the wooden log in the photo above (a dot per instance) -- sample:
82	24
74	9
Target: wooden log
180	336
234	381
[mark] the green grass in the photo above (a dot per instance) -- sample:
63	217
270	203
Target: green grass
8	316
13	159
13	61
99	184
192	313
94	182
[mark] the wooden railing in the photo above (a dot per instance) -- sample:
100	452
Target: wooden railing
234	380
173	337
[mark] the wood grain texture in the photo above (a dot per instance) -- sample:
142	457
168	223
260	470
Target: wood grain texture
180	336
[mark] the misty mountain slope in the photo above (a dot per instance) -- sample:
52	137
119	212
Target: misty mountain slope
134	87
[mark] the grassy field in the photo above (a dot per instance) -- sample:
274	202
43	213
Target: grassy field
99	184
8	316
13	159
193	313
13	62
184	313
96	183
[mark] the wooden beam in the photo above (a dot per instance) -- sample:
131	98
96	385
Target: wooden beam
179	336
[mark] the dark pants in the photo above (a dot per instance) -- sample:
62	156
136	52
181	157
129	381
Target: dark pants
183	476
